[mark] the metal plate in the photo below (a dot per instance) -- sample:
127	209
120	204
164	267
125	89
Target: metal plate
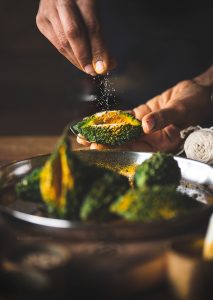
197	180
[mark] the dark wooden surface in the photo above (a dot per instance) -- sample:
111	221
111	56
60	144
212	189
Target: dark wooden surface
21	147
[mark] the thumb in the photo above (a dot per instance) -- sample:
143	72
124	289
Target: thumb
161	118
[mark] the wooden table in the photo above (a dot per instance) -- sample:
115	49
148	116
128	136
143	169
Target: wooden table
21	147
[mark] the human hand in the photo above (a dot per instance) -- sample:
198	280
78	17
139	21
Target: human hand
166	140
185	104
74	28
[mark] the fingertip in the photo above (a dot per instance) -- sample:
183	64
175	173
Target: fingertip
82	141
100	67
149	124
141	111
89	70
95	146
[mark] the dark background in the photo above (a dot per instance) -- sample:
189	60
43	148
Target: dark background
156	44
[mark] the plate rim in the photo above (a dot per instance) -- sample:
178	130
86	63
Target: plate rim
68	224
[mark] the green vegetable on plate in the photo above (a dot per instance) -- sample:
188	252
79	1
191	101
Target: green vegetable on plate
110	128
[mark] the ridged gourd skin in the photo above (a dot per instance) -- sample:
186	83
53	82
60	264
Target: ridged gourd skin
110	128
153	203
53	183
160	168
103	192
87	196
56	180
61	184
73	190
64	182
28	187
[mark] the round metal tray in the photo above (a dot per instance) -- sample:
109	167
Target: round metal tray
197	180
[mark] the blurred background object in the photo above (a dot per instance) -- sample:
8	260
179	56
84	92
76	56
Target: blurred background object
189	273
156	45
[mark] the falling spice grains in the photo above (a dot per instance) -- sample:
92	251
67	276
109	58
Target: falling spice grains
106	97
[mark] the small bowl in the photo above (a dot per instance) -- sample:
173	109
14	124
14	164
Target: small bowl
189	275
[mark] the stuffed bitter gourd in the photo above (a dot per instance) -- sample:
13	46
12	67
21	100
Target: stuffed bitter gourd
153	203
161	168
109	128
102	194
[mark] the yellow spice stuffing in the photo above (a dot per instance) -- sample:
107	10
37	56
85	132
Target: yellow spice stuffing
125	203
49	189
167	213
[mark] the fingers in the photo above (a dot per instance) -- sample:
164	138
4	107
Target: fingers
95	146
166	140
76	32
172	133
76	35
183	105
81	140
171	139
141	111
172	114
53	31
100	57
